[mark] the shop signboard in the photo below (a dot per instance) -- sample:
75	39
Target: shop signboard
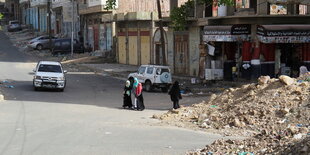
228	30
284	39
241	29
225	38
283	34
230	33
290	31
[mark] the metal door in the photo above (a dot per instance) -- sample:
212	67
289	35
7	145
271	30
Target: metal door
90	37
158	54
181	53
96	37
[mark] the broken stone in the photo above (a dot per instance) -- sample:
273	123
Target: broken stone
303	130
293	130
156	116
202	117
304	84
284	111
305	149
1	97
237	123
286	80
175	111
263	80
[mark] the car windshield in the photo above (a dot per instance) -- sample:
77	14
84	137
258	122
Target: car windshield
14	22
50	68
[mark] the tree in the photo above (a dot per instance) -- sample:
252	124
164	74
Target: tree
179	15
110	4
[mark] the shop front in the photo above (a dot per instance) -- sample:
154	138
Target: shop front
224	47
284	49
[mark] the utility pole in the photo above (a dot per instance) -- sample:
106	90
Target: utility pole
162	38
72	29
49	23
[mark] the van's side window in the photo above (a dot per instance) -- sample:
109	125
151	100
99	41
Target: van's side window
150	70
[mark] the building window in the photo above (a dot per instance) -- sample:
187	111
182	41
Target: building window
278	9
302	9
242	4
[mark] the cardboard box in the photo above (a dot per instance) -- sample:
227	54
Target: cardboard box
218	74
208	74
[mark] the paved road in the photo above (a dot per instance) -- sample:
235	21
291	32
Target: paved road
84	119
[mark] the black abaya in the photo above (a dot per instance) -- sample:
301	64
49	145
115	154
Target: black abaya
140	103
127	98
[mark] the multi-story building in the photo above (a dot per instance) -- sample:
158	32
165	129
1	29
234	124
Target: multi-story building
127	31
63	16
12	7
24	5
97	25
260	37
36	14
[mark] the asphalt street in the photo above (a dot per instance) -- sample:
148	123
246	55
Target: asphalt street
84	119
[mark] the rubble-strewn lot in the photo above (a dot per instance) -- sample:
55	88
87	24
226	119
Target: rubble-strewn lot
273	115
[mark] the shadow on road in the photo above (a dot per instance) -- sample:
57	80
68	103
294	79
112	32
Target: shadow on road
84	89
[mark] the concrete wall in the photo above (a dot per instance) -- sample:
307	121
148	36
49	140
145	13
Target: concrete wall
194	40
145	50
133	48
262	7
143	6
170	49
122	49
43	19
95	2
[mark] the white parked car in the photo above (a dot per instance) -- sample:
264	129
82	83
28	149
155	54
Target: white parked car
49	74
153	76
41	42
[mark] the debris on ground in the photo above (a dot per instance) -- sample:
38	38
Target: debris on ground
272	115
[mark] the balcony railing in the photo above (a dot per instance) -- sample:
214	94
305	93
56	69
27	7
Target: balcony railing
96	3
37	2
23	1
59	3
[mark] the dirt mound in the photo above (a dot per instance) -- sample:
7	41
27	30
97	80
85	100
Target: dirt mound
273	113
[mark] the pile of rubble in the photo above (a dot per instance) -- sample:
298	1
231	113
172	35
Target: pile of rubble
272	116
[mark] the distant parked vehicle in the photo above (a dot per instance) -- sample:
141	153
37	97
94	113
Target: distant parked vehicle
153	76
14	26
63	46
41	42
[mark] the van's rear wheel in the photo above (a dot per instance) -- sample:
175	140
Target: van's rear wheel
148	86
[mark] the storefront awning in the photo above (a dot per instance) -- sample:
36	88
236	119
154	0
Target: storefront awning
305	2
283	33
230	33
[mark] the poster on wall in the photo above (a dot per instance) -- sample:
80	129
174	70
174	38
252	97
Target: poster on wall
278	9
